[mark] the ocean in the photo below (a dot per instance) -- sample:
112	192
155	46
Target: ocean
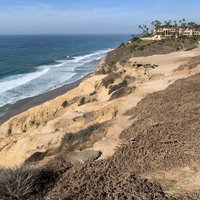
32	65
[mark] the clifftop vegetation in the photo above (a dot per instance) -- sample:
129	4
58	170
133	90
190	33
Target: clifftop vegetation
137	47
183	24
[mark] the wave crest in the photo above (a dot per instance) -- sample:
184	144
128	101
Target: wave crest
46	77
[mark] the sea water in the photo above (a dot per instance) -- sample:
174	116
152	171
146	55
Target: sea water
32	65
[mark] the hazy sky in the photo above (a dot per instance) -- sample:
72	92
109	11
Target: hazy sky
90	16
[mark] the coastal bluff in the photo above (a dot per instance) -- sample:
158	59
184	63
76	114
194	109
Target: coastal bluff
134	121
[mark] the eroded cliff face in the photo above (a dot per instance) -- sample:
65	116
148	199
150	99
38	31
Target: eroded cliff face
121	126
143	49
92	116
160	158
43	129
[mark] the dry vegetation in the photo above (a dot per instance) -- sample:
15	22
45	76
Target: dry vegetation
165	135
23	183
146	48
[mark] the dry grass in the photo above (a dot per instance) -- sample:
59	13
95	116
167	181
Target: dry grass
21	183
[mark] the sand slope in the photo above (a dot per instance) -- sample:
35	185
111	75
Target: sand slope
137	120
160	158
43	129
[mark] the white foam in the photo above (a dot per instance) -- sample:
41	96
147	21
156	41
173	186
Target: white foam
79	61
47	77
18	80
91	56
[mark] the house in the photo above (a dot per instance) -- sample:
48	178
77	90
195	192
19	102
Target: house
176	32
167	32
196	33
190	32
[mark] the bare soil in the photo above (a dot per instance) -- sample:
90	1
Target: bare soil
165	135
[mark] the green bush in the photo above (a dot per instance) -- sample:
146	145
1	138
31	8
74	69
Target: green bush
135	38
122	45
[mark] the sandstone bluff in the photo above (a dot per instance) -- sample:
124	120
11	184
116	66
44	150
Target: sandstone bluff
129	131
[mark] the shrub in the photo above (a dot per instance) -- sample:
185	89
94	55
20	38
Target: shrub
65	104
122	45
113	88
109	80
129	78
135	38
112	62
20	183
82	101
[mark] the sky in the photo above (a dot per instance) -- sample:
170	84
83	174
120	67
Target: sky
90	16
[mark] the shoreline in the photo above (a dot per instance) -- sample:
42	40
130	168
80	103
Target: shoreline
27	103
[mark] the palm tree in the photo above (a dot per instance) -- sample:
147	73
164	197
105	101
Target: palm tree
168	24
180	22
145	29
140	27
183	24
175	24
157	24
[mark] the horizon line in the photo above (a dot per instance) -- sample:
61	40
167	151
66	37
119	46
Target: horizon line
27	34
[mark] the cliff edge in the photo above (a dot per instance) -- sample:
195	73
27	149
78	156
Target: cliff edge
130	129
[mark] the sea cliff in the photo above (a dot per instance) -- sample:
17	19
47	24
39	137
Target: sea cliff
130	129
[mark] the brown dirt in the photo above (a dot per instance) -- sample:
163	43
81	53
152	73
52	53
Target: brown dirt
165	133
164	136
